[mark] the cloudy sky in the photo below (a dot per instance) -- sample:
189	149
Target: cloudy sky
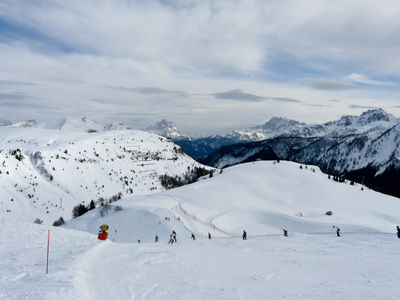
209	66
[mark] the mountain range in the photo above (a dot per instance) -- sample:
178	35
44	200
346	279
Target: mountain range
361	148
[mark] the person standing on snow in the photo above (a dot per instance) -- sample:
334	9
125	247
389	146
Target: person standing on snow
285	232
337	231
209	235
193	237
244	235
398	232
156	239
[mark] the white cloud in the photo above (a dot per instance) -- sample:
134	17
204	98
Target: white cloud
358	78
167	60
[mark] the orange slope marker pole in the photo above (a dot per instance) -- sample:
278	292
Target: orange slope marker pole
48	246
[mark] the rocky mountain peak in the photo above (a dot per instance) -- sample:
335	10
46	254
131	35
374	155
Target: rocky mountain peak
165	128
375	115
280	124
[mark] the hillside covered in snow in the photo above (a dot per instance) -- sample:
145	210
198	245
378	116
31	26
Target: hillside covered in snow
361	148
262	198
44	173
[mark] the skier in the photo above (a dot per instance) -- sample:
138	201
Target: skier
337	231
244	235
172	238
398	232
138	241
285	232
209	235
156	239
193	237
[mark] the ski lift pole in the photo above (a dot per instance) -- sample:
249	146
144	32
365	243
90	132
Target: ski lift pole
48	246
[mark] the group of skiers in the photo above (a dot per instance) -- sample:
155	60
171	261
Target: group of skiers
244	235
172	237
104	228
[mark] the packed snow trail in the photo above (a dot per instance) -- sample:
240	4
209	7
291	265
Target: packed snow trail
23	261
301	266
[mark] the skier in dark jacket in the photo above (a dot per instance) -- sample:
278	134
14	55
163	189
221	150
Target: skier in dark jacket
172	238
244	235
193	237
209	236
337	231
285	232
398	232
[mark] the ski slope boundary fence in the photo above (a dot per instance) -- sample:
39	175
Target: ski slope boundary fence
210	225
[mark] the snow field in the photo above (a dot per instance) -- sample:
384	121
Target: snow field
262	198
302	266
63	168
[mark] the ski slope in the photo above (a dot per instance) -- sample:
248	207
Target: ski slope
262	198
60	168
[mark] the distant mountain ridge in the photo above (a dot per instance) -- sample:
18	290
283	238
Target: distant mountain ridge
363	148
376	119
165	128
81	124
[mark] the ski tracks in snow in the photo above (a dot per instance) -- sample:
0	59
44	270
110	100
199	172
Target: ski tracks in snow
115	271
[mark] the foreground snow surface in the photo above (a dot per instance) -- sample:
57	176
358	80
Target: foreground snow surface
262	197
302	266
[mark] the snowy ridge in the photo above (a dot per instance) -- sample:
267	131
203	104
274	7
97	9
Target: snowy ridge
375	119
45	173
255	196
363	148
370	123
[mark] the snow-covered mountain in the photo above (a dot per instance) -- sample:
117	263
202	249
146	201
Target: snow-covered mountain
69	123
165	128
29	123
363	148
275	126
45	173
263	198
372	120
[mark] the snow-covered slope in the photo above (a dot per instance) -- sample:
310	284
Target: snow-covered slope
45	173
262	198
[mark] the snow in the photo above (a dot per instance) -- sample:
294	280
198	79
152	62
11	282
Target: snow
261	197
62	168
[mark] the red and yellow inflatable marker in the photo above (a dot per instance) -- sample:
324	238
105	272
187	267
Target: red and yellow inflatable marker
103	234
